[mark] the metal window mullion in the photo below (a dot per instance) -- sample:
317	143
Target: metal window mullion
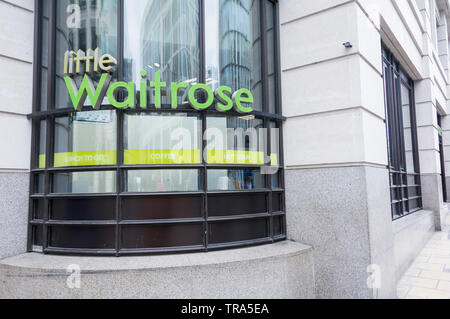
49	119
120	180
204	170
34	123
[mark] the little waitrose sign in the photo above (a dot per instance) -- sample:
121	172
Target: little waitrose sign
226	99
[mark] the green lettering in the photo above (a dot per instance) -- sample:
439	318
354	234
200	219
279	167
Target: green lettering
240	97
224	101
158	85
78	96
129	102
174	92
193	101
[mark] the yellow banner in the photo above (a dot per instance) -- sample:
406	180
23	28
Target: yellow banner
90	158
41	160
274	159
159	157
235	157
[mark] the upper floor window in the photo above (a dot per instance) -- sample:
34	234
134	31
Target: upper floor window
406	194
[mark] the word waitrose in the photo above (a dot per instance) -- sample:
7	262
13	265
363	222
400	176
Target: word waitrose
92	61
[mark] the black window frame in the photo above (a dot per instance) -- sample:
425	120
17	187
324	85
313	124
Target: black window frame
393	77
41	224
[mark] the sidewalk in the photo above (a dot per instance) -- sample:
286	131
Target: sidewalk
429	276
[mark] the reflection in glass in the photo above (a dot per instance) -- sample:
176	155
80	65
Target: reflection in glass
228	180
270	40
233	46
162	36
165	180
44	55
409	139
162	138
96	26
85	139
235	140
84	182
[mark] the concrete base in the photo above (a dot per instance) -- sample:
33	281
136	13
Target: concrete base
411	233
281	270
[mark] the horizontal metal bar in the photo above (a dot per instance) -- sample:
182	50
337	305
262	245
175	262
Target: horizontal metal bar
261	241
165	108
81	222
162	221
238	217
78	251
248	191
162	194
163	250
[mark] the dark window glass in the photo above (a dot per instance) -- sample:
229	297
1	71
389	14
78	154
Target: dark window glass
83	209
236	204
82	237
38	207
278	225
39	184
276	202
164	207
402	139
160	236
237	230
37	235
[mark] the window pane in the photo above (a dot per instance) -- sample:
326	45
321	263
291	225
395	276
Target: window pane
44	55
235	140
83	209
37	235
407	129
236	204
233	46
164	207
84	182
274	144
87	237
240	230
39	184
86	139
42	145
95	27
271	55
162	36
228	180
163	180
38	209
162	139
160	236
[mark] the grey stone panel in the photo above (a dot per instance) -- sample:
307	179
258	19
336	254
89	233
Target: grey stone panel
344	214
14	188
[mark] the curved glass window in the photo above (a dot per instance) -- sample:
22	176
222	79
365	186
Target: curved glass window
164	176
